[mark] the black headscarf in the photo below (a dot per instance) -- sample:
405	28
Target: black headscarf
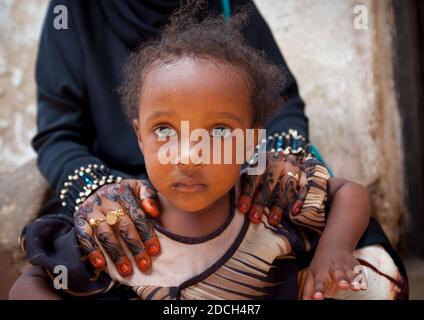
133	20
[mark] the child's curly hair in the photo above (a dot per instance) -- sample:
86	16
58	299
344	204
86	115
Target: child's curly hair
192	32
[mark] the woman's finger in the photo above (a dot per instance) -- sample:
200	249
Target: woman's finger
146	231
302	192
248	189
148	200
129	234
106	236
268	182
85	237
141	222
278	206
288	188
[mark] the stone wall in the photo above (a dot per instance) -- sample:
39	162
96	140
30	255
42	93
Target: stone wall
344	75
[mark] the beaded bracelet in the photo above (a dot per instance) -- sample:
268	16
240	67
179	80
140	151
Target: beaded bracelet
289	143
83	183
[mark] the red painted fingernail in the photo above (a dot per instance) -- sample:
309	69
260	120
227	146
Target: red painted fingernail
255	217
124	268
275	218
296	208
153	250
98	262
243	207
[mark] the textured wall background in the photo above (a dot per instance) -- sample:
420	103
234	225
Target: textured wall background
20	22
344	75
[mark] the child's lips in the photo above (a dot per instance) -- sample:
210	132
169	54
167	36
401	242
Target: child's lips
188	187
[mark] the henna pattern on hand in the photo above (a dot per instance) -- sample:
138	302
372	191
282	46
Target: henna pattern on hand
113	249
248	185
85	240
122	193
149	191
135	246
264	190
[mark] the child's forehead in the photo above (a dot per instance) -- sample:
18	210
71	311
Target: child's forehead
194	69
192	82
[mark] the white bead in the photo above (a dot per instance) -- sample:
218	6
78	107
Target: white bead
63	204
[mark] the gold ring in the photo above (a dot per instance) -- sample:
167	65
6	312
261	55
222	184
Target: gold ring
294	175
94	223
112	217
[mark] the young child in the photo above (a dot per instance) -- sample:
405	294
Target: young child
203	73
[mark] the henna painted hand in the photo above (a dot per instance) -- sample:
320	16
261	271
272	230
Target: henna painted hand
276	188
134	227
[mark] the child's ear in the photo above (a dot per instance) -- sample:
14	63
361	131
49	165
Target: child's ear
136	130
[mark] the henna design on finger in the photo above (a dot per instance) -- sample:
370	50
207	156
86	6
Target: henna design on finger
112	248
264	189
123	194
142	225
149	191
248	185
87	207
85	240
135	246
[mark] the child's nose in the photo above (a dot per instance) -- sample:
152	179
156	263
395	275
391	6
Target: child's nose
192	155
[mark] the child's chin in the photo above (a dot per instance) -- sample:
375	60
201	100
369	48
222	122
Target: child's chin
192	205
192	208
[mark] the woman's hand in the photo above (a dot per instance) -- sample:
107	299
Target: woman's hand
333	268
283	182
135	198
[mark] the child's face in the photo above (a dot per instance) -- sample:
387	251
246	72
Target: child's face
207	95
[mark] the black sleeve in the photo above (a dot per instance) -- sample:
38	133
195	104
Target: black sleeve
291	115
64	125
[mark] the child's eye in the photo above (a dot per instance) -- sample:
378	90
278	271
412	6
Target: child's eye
221	132
163	132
